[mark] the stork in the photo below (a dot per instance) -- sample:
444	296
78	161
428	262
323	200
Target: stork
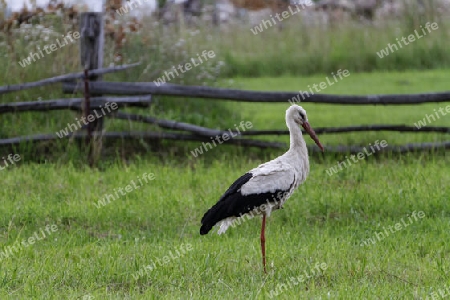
266	187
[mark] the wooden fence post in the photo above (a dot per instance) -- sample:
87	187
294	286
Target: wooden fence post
91	49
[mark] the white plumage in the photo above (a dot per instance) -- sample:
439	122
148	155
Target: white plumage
266	187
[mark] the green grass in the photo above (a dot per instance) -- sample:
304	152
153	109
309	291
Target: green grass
96	251
99	252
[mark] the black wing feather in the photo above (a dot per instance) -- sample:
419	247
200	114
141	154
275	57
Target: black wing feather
237	185
234	204
231	190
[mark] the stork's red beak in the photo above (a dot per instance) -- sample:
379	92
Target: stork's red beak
312	134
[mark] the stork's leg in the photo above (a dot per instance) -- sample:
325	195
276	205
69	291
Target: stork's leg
263	242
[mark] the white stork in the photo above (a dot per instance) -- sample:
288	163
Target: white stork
266	187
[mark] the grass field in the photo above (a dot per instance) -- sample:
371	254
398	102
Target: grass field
376	230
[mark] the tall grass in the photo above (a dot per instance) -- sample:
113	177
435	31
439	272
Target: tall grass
298	50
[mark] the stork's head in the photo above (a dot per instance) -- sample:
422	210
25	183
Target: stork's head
298	115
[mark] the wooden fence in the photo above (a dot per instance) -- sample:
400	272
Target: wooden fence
140	95
198	133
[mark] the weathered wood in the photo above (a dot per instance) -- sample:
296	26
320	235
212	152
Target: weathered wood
58	79
168	124
93	6
138	88
91	51
92	40
398	128
204	131
328	130
140	135
243	142
74	104
394	149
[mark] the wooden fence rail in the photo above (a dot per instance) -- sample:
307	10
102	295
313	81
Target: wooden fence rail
147	136
61	78
142	88
203	131
199	133
74	104
334	130
155	136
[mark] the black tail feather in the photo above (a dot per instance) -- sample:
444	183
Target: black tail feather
205	229
215	214
226	207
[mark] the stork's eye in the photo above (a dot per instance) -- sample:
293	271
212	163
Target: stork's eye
302	116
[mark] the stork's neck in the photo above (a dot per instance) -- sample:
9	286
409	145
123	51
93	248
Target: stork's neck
297	143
